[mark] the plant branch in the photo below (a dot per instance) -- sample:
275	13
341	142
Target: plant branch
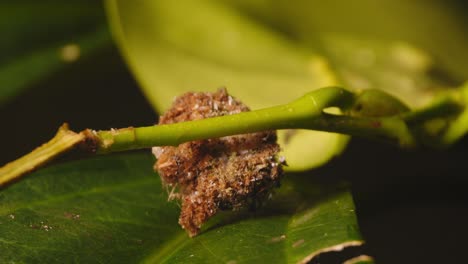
301	113
63	141
385	118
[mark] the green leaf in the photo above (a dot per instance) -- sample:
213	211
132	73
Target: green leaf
268	52
114	209
203	45
395	67
41	38
437	27
413	50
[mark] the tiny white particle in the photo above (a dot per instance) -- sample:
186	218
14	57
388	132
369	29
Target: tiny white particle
157	151
282	159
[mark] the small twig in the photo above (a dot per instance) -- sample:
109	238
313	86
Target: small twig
62	142
395	124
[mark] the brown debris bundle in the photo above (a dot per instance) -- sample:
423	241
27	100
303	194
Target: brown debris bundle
216	174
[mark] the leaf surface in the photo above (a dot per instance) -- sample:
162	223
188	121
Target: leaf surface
114	209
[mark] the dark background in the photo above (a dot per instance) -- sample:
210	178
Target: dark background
412	205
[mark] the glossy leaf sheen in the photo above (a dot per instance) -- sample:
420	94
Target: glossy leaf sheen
114	209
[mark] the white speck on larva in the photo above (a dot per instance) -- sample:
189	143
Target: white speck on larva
11	216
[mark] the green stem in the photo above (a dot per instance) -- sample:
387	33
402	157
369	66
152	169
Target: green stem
306	112
62	142
395	124
390	129
444	106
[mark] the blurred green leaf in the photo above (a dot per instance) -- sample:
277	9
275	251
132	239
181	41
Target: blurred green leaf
396	67
458	127
269	52
39	38
202	45
437	27
114	209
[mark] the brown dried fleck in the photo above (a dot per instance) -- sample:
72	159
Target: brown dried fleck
216	174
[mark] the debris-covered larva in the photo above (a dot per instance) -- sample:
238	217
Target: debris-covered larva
216	174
